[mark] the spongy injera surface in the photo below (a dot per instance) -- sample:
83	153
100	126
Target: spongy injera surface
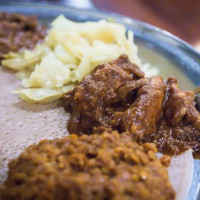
23	124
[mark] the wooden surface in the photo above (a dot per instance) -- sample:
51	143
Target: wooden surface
180	17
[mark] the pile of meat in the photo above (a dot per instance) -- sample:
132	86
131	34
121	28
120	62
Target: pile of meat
99	166
118	96
17	31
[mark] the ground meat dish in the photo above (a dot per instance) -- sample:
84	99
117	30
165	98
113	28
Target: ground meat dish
17	31
100	166
146	107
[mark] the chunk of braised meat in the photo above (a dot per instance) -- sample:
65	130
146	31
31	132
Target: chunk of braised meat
178	102
129	67
91	102
109	166
179	129
141	117
145	107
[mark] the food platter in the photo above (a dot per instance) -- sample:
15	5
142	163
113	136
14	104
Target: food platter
171	55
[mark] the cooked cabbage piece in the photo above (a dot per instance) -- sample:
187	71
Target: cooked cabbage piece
50	73
43	95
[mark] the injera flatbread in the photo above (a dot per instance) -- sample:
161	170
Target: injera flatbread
23	124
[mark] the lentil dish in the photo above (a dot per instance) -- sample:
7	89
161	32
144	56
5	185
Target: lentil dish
100	166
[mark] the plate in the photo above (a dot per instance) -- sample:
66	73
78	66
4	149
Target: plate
170	54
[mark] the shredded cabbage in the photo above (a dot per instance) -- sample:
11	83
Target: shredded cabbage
69	53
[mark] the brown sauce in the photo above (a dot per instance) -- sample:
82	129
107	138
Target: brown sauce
146	107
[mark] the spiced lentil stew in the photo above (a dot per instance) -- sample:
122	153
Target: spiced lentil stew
99	166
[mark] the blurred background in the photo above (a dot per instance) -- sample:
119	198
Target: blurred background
180	17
